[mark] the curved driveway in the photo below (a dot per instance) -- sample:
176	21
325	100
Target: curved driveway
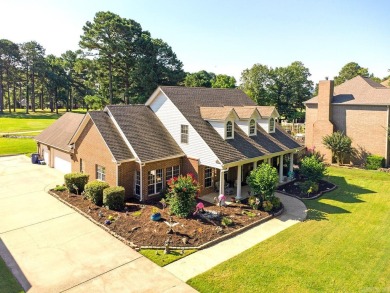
51	248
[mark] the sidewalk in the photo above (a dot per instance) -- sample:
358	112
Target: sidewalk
203	260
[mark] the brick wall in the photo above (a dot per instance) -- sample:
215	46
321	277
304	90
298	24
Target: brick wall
365	125
126	174
91	148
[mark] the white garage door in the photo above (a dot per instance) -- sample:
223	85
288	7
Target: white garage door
46	156
62	165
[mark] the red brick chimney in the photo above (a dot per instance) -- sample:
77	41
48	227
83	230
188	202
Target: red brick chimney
323	126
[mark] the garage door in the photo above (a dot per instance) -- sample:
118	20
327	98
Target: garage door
62	165
46	156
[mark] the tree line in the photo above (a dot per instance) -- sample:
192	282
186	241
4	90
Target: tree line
119	62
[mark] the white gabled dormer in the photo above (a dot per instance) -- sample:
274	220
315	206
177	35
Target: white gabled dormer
269	115
248	117
222	119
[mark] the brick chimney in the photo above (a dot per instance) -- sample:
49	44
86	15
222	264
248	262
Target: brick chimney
323	126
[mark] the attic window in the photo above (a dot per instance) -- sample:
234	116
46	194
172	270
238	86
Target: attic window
272	125
252	127
229	129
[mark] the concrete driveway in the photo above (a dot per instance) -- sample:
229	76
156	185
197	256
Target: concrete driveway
51	248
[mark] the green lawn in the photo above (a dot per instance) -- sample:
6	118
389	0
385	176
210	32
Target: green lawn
19	122
343	246
163	259
13	146
7	281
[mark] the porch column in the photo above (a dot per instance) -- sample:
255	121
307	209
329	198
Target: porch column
221	182
281	168
254	165
291	167
238	196
269	161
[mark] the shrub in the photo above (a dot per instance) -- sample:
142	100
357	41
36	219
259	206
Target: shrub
60	188
339	144
226	221
254	202
309	187
94	191
375	162
181	195
263	180
114	197
275	201
313	169
267	205
75	182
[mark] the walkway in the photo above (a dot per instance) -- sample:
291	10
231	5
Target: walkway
203	260
51	248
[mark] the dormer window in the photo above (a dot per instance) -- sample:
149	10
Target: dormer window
229	129
272	124
252	127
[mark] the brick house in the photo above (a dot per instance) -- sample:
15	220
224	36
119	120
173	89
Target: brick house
359	108
218	135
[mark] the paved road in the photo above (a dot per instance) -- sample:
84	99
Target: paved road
51	248
201	261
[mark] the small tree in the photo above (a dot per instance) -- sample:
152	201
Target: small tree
181	195
263	181
312	168
339	144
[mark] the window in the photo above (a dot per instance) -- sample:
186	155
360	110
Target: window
172	172
155	181
252	127
208	177
272	125
229	129
100	173
137	183
81	166
184	133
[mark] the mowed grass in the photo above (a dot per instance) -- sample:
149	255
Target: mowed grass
343	246
158	256
8	283
15	146
21	122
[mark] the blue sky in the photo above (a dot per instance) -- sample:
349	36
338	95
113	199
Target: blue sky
224	36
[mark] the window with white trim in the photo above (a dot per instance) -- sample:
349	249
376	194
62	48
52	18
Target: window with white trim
155	181
100	173
208	177
137	183
252	127
272	125
171	172
229	129
184	133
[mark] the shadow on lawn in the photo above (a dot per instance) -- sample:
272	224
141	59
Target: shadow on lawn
345	193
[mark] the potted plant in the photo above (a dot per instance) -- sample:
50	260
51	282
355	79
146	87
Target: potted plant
156	215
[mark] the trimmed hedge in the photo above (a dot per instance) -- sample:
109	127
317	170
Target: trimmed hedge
76	179
375	162
94	191
114	197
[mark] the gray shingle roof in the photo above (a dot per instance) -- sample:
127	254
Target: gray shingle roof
111	136
189	101
61	131
145	132
359	90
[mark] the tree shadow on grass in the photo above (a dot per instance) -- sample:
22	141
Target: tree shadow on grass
345	193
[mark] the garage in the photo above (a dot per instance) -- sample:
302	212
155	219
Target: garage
53	142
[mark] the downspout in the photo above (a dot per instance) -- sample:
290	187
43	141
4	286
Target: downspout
141	198
117	173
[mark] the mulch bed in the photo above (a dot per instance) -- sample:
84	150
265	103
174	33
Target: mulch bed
136	227
292	188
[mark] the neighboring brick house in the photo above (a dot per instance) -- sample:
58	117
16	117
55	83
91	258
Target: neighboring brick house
359	108
218	135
